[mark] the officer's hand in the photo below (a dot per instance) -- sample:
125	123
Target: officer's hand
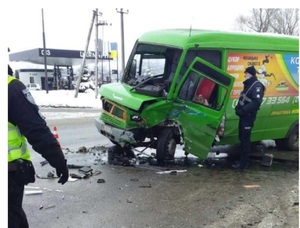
63	173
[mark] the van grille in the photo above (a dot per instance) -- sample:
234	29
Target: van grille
114	110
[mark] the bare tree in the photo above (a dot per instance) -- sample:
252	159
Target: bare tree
282	21
286	22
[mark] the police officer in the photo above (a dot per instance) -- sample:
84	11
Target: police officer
247	107
24	120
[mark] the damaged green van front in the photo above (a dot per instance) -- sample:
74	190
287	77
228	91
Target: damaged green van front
164	101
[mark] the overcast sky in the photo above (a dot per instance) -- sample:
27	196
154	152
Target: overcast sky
68	27
67	23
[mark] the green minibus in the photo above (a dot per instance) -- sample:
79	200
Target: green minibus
180	87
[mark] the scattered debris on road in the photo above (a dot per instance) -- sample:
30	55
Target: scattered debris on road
100	181
50	175
44	162
171	171
252	186
33	192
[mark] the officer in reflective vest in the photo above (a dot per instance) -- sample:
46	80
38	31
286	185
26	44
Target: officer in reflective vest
24	120
248	104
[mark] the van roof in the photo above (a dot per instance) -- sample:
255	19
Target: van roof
185	38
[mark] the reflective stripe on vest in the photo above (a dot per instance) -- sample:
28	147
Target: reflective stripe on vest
17	146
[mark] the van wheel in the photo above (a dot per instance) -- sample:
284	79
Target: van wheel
291	143
166	145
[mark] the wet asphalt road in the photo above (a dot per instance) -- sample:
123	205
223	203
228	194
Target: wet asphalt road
208	194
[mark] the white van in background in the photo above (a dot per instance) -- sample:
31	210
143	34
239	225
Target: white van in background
33	86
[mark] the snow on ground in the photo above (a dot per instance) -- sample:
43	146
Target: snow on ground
66	99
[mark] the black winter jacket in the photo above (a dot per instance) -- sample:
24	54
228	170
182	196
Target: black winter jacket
250	98
24	113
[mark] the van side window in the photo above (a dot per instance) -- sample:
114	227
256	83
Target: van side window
202	91
211	56
173	56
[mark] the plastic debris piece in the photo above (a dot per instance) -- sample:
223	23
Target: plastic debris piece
267	160
74	175
86	169
34	192
70	179
44	162
32	187
97	172
134	179
145	186
44	177
252	186
50	174
171	171
72	166
87	175
99	181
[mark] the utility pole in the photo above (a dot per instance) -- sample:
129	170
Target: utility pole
84	55
96	51
122	36
102	23
45	57
108	54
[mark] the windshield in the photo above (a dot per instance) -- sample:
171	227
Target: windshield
152	64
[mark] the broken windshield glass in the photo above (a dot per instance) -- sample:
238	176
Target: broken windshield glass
151	64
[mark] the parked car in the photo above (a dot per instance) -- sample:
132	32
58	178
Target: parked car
33	86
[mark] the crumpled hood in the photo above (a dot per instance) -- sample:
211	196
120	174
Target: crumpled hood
121	94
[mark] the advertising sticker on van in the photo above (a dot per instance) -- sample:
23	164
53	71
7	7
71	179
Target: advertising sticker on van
278	72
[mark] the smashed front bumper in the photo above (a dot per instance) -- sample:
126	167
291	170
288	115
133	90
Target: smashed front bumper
119	136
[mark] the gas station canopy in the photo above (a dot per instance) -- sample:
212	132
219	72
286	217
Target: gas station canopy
57	57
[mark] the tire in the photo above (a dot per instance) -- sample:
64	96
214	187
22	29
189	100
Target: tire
118	155
113	153
166	145
291	142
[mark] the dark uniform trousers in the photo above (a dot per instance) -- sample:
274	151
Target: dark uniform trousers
16	215
245	128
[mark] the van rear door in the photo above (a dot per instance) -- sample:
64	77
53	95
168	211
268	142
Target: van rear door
200	104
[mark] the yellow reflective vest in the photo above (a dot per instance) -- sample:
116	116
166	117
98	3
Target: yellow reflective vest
17	146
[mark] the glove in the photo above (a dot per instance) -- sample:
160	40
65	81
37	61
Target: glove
63	173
